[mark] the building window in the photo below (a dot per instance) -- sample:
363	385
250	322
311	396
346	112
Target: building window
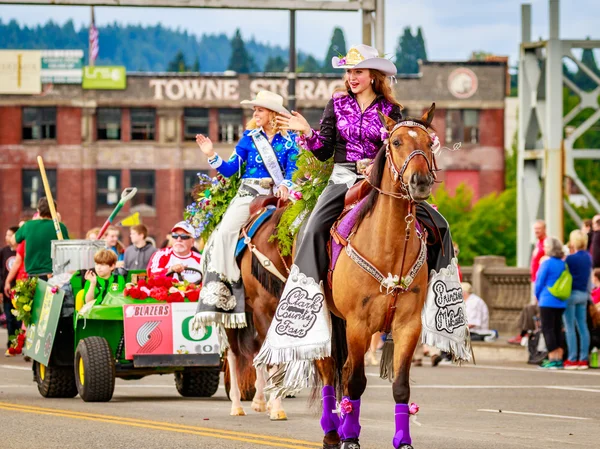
33	189
190	179
313	117
109	123
462	125
143	123
144	181
39	123
195	121
108	187
231	125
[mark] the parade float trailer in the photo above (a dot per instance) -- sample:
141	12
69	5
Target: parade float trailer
84	351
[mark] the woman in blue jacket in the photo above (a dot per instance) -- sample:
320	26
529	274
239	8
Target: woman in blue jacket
580	267
265	157
551	307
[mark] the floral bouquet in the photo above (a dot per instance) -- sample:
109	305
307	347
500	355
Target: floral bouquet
212	197
163	288
22	301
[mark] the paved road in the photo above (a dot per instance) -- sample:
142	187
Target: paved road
460	408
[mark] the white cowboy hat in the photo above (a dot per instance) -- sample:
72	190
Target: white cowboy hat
364	57
268	100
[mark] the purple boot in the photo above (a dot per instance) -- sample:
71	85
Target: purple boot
402	436
330	421
350	426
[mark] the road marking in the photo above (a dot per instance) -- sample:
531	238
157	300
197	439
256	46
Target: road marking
508	368
577	388
20	368
268	440
543	415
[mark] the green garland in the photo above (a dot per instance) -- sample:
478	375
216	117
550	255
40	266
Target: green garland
311	177
213	196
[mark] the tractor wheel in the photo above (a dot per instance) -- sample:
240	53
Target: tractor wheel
198	383
94	370
55	381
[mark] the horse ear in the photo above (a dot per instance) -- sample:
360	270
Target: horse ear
428	116
387	122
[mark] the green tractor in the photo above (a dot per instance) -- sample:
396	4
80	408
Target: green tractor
83	353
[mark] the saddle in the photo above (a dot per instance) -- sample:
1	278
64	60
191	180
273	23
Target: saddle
263	201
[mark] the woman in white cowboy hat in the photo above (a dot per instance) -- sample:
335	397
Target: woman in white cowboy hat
269	154
351	132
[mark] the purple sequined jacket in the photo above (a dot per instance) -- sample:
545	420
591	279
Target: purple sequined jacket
346	132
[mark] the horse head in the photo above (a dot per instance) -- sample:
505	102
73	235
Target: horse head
409	155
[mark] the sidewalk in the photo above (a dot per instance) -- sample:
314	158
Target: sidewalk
499	351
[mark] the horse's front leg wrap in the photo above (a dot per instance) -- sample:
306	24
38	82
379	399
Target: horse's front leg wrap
402	435
330	420
350	423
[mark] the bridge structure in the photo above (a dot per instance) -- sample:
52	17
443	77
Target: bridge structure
372	12
546	153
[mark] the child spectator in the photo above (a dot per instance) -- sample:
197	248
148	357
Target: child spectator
98	283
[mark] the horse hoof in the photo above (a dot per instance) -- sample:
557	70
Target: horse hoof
278	415
259	406
350	443
405	446
332	446
237	411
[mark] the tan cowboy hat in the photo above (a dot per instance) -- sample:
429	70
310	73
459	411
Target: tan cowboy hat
268	100
364	57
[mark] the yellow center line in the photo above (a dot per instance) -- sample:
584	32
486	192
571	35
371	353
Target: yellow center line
180	428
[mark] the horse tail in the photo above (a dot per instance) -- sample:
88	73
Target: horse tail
339	352
247	347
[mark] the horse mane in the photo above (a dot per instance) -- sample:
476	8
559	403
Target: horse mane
377	175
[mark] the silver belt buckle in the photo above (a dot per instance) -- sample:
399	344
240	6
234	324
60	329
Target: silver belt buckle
362	165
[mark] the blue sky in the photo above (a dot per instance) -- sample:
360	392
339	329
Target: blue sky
452	28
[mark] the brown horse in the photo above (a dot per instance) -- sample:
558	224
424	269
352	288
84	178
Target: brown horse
388	240
263	291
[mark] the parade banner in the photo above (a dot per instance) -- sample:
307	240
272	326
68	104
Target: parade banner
104	78
162	328
20	72
45	313
62	66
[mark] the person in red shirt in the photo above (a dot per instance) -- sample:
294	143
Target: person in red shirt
539	229
178	257
526	319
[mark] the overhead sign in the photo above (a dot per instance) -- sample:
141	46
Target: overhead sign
20	72
62	66
104	78
208	89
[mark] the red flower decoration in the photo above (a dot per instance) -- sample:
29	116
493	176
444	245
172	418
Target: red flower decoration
346	406
413	408
193	295
141	283
54	290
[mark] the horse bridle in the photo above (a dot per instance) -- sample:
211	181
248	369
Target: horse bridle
398	175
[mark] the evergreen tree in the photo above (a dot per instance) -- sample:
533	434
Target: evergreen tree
178	63
240	61
275	64
196	66
337	47
407	53
582	80
310	65
420	43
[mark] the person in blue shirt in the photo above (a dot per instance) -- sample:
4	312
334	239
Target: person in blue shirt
551	307
580	267
265	157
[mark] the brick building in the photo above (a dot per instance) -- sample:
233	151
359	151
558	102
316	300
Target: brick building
97	142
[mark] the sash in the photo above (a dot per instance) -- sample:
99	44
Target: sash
268	156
